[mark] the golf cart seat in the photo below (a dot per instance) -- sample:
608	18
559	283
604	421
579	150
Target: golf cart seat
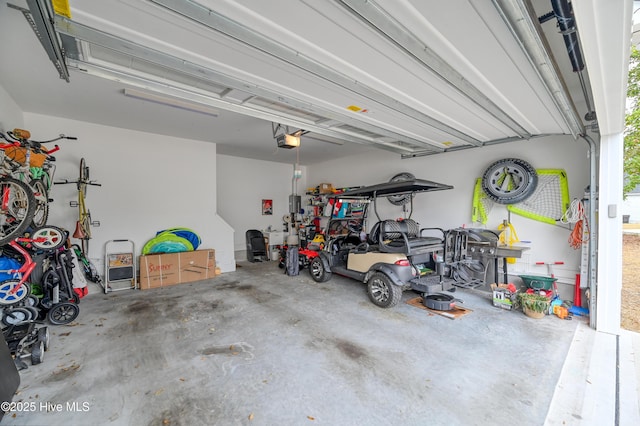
405	237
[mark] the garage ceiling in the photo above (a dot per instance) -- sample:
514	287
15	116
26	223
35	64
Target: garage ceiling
411	77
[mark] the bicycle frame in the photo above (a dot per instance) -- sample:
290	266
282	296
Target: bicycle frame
84	222
27	267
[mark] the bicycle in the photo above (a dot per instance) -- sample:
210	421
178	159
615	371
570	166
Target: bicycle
15	290
84	222
17	204
32	163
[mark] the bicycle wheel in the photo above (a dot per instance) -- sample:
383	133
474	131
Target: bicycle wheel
83	177
53	236
41	214
17	208
63	313
8	297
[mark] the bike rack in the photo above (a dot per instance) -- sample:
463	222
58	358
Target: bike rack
120	266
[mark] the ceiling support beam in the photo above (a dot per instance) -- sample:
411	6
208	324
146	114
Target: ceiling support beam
250	110
78	31
39	18
523	24
488	143
81	32
374	16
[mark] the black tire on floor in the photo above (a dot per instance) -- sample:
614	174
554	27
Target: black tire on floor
317	270
382	291
63	313
37	353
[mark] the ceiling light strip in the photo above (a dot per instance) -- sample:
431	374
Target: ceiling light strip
520	21
183	104
373	15
215	21
93	36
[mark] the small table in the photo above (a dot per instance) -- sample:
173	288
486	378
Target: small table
272	239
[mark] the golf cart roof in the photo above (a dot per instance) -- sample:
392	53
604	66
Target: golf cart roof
387	189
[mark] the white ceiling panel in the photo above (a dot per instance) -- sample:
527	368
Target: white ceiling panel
413	77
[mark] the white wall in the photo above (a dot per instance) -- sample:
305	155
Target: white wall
244	183
10	114
452	208
149	183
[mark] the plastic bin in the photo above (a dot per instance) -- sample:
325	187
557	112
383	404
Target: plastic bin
538	282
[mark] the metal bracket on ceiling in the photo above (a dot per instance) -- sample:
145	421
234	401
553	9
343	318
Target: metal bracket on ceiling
283	129
519	17
39	18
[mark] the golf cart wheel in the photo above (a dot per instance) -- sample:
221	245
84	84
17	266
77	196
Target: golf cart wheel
317	270
509	181
44	337
37	353
382	291
63	313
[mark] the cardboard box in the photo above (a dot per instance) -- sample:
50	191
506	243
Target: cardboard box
162	270
325	188
502	297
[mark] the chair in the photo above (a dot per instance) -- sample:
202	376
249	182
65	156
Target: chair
405	237
256	247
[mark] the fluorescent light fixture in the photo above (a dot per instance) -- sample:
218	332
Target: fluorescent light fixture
171	101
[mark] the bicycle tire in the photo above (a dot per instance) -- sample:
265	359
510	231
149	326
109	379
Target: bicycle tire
9	298
17	208
83	177
63	313
41	214
54	238
85	247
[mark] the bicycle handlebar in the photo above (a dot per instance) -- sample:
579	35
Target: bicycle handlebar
21	137
62	182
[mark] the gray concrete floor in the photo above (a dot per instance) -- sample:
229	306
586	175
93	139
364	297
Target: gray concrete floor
258	347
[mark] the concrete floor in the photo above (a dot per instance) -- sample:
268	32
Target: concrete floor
258	347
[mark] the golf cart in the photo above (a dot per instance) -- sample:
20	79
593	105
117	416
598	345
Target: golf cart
395	254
